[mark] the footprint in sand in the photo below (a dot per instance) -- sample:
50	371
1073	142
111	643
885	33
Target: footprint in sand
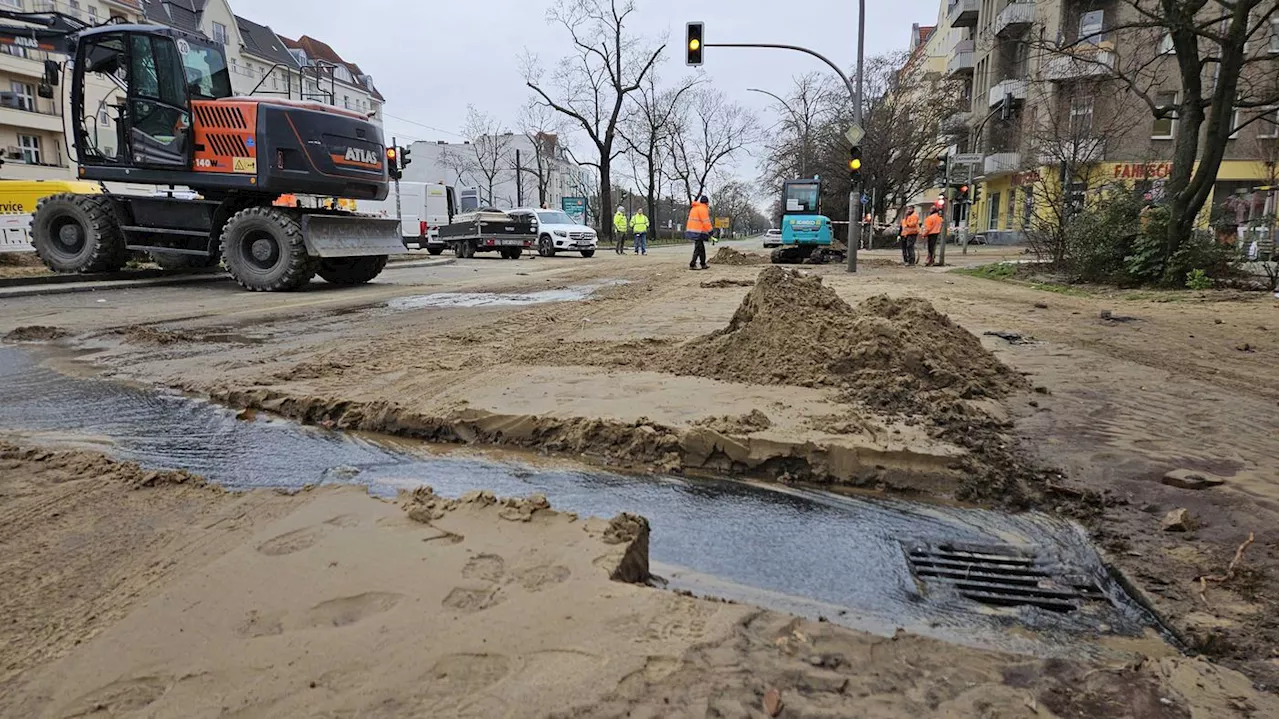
258	624
119	697
538	578
683	618
290	542
472	599
344	611
485	568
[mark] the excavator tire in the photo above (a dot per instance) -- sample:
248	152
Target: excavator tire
351	270
78	233
264	250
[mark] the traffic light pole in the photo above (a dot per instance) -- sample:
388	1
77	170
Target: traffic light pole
949	196
855	95
396	145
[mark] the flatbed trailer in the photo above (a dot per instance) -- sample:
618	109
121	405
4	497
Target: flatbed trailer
509	237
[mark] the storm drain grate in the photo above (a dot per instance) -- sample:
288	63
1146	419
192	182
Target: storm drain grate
1003	576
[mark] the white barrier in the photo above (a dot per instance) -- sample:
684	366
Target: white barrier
15	233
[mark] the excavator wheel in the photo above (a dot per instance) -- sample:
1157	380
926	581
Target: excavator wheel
351	270
264	250
78	233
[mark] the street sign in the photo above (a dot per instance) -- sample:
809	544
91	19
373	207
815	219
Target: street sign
855	134
969	158
722	223
576	208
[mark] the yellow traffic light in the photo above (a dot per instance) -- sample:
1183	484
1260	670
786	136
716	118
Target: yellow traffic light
694	44
855	164
693	36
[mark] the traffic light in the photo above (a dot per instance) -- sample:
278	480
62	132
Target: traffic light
962	193
393	163
404	157
940	203
693	43
976	193
855	164
942	172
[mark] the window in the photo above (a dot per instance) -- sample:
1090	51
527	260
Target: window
1081	115
1166	44
155	70
1162	128
30	145
25	94
220	33
15	4
75	4
206	70
13	50
1091	27
1010	209
93	12
1235	124
1275	35
993	211
104	118
1267	125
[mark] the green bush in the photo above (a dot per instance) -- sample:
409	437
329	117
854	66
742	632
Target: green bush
1100	238
1198	280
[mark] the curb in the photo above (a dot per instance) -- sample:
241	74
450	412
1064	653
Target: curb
62	286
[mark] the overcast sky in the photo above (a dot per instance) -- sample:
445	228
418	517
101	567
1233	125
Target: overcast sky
431	59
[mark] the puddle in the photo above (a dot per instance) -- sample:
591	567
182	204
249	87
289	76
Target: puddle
576	293
807	552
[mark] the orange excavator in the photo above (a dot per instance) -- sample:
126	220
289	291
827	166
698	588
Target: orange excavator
168	96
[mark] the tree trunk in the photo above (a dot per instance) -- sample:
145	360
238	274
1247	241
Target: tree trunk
606	217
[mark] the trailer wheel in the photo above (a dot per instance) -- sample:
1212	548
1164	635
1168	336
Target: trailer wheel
351	270
78	233
433	251
467	249
264	250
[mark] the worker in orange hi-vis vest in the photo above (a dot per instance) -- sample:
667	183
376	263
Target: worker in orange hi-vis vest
698	228
932	229
907	236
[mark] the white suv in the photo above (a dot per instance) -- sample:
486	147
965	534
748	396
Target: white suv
773	237
557	232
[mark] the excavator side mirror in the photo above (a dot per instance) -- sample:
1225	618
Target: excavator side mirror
52	73
45	90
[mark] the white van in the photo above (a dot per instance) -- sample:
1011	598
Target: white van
424	207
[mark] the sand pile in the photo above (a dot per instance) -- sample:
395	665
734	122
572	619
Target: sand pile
738	258
35	333
792	329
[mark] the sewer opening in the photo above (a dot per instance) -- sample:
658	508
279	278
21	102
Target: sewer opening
1003	576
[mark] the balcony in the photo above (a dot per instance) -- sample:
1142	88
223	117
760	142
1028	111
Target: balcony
1014	19
1074	152
963	13
1015	87
31	120
1064	68
961	60
14	65
1001	163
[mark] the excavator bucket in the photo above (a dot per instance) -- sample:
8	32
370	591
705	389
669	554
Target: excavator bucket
351	235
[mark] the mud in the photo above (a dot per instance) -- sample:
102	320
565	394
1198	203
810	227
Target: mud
737	258
753	421
725	282
35	333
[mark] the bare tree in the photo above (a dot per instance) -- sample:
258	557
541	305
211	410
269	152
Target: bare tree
708	133
735	199
591	85
489	158
543	127
1224	76
647	132
793	150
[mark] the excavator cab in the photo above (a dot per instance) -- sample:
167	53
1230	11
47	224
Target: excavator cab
131	95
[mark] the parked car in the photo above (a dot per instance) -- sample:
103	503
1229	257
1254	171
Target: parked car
773	237
557	232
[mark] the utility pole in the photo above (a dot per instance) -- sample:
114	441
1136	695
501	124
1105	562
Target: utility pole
396	144
855	190
519	181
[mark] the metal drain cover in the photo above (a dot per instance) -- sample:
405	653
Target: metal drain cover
1002	576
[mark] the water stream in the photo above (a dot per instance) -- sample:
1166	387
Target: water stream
805	551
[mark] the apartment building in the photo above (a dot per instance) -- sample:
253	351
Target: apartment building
32	145
1032	107
334	81
453	163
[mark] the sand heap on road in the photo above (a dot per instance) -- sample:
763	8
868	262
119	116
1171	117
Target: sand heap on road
792	329
738	258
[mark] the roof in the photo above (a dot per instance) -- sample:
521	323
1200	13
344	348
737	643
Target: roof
924	33
262	41
182	14
319	50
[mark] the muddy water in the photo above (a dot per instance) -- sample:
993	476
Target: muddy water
499	299
803	551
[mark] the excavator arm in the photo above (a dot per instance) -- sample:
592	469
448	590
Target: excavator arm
47	31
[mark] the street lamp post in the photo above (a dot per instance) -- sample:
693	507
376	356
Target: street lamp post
803	125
